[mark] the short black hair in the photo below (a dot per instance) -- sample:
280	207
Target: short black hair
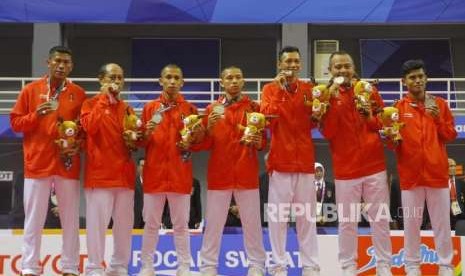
60	49
229	68
288	49
171	66
338	53
412	64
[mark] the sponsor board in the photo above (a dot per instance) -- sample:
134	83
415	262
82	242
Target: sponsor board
232	258
428	255
10	253
460	126
6	176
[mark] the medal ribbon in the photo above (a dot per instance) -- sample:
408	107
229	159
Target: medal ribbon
452	188
59	89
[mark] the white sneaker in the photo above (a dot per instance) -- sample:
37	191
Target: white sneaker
310	271
383	271
413	271
147	270
208	274
349	271
446	271
255	271
95	273
208	271
279	271
183	271
116	271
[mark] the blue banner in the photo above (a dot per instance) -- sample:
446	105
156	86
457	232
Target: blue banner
198	58
237	11
460	126
5	128
232	257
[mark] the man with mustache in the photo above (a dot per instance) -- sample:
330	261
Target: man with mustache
359	166
110	175
40	106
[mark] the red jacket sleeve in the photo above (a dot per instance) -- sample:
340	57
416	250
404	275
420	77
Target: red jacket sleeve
92	114
145	117
197	145
269	106
21	117
374	123
207	141
330	121
445	123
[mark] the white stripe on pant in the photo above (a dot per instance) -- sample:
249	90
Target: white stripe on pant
287	188
218	202
374	190
36	198
438	204
102	205
179	205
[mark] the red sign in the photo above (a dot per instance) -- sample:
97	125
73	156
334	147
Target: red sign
429	258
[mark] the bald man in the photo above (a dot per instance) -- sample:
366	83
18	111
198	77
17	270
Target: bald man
110	174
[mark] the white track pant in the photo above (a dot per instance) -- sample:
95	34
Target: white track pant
102	205
375	192
438	204
179	205
36	198
218	202
295	188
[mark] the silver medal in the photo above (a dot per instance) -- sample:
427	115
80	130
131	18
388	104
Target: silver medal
53	104
339	80
157	117
288	73
430	101
218	109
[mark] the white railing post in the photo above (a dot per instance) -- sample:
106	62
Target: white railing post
448	94
212	90
401	89
259	89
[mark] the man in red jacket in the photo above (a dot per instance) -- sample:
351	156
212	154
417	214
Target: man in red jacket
290	164
359	167
423	167
40	106
232	170
163	118
109	176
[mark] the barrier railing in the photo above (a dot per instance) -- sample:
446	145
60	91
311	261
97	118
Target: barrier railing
201	92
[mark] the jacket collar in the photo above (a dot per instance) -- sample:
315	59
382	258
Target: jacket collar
164	100
240	99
